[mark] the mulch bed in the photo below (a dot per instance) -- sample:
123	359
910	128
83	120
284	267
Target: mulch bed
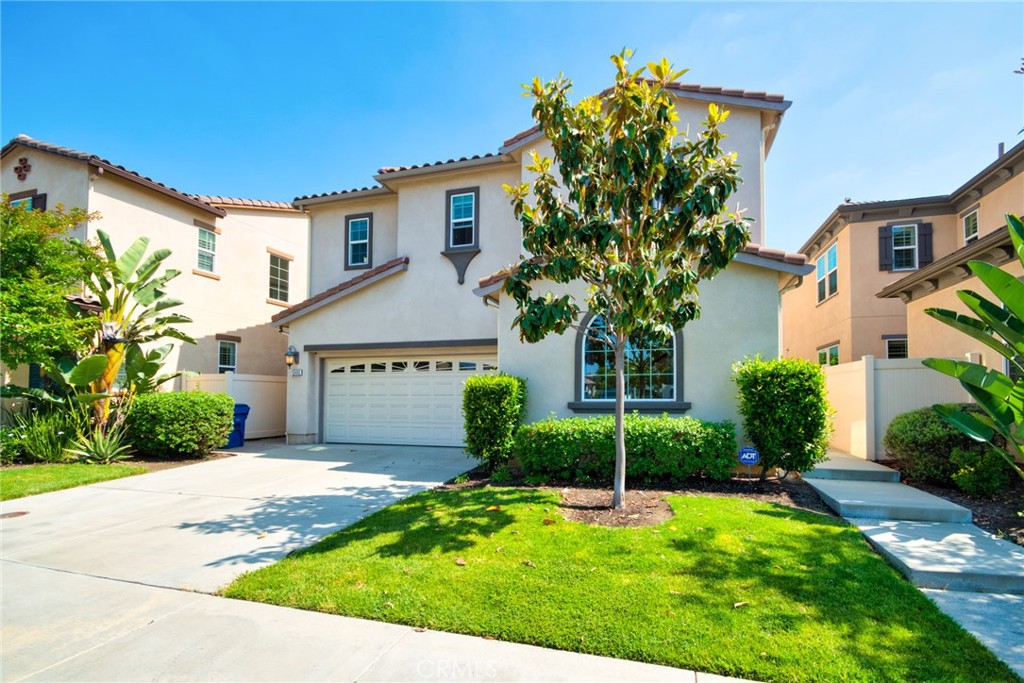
156	464
647	506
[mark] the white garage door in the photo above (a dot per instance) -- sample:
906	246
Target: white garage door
415	401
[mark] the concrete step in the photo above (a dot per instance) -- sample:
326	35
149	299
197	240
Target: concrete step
956	557
887	500
847	467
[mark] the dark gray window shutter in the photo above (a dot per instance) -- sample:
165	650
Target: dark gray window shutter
925	254
884	247
35	377
39	202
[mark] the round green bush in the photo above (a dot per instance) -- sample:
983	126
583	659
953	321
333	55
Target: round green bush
186	424
980	474
922	442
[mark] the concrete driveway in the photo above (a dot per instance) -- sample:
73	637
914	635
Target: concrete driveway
198	527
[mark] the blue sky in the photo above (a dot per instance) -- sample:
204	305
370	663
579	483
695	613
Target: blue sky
274	100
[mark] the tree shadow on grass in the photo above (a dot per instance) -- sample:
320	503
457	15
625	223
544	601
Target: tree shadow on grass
827	573
445	522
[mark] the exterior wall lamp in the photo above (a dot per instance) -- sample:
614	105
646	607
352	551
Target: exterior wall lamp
291	357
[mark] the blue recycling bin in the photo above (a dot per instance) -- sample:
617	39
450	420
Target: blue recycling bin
236	438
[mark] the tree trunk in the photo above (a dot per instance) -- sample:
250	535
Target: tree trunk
619	492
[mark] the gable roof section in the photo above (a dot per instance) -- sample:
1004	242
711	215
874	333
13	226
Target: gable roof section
104	166
239	203
342	289
848	211
340	195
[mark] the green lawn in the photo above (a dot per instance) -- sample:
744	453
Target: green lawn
728	586
16	482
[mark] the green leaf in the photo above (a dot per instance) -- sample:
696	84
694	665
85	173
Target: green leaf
972	327
1007	288
130	259
108	248
965	422
151	264
87	370
972	374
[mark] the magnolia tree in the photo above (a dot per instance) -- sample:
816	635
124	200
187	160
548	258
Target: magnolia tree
643	218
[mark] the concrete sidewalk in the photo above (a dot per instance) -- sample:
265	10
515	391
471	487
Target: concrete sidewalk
68	627
100	583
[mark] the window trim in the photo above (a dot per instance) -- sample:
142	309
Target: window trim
369	241
916	247
200	250
829	293
579	404
826	348
38	199
227	368
270	277
448	227
977	227
888	351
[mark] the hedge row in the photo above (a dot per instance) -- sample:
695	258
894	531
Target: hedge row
180	423
659	449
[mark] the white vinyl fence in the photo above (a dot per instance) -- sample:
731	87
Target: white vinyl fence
264	394
867	394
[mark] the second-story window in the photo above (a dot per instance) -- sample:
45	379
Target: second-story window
970	227
207	251
278	278
358	241
463	222
904	247
827	273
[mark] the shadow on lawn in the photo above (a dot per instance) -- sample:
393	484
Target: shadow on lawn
418	527
829	575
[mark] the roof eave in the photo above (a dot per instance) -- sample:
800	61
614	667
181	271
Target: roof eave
500	159
303	202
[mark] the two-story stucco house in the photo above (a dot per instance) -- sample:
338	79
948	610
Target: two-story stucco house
240	260
878	265
406	301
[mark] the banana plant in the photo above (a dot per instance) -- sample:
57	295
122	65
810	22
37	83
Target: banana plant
133	302
142	368
1000	326
71	383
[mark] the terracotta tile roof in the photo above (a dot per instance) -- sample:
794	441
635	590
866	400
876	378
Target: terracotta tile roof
521	135
105	165
341	287
752	248
384	170
217	200
780	255
85	303
728	92
338	193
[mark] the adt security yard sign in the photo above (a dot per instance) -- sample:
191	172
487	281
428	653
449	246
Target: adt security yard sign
749	456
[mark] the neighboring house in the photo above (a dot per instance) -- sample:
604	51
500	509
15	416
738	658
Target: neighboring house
241	260
906	252
406	279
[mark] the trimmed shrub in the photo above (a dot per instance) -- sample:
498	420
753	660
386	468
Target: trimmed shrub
658	449
180	424
921	442
980	474
493	407
785	411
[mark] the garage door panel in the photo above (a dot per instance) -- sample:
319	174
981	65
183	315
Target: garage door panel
407	401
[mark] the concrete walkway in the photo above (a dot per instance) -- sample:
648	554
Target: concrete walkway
107	582
931	541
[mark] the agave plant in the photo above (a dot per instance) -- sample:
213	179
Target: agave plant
1000	326
102	447
133	300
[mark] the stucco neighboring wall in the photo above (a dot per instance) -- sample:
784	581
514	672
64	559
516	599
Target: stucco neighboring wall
235	302
994	205
64	181
927	337
808	325
740	318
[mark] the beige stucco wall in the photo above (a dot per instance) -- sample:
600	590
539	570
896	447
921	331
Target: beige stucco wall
327	238
64	181
1008	197
855	317
236	303
928	337
740	318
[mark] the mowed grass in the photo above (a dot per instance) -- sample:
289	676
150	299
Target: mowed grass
728	586
17	482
